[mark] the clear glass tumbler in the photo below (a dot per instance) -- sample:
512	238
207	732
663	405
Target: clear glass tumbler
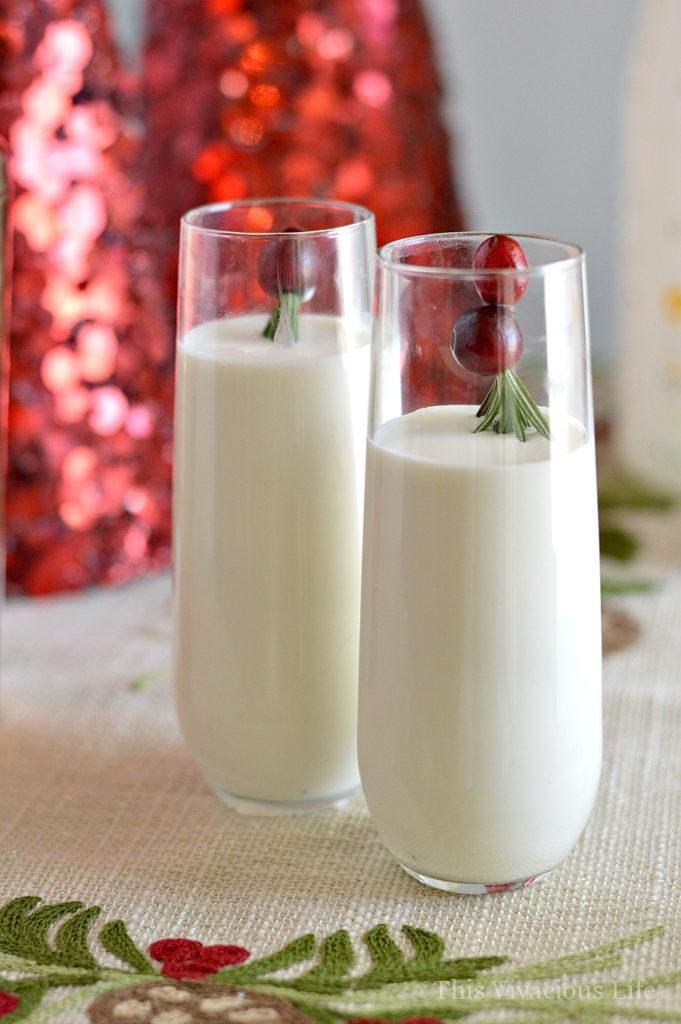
271	408
480	666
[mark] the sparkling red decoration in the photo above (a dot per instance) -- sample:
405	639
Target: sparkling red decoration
335	98
241	97
91	382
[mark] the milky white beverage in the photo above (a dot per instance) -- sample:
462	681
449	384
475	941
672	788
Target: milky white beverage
269	491
480	718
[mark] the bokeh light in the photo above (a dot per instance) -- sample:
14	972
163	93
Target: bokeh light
92	313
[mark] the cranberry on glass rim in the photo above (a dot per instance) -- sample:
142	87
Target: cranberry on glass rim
500	252
487	340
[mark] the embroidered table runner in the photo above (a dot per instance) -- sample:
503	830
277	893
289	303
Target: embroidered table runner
207	916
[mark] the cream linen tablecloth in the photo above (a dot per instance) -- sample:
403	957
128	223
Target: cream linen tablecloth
101	802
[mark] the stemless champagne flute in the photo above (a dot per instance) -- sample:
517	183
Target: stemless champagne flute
273	370
480	666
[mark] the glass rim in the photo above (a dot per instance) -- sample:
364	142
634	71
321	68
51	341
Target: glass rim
574	257
363	217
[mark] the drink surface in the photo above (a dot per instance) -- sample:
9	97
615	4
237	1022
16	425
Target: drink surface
268	507
480	688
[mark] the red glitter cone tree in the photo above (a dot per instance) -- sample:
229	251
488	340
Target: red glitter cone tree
91	384
268	97
333	98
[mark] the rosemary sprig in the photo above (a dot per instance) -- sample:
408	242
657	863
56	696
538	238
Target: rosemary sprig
288	310
509	408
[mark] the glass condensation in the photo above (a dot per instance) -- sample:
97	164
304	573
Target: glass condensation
480	677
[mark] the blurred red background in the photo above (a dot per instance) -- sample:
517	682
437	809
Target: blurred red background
235	98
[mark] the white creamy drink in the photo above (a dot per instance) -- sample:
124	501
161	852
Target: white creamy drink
269	493
480	719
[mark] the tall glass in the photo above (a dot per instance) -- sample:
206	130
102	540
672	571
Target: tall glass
480	667
273	369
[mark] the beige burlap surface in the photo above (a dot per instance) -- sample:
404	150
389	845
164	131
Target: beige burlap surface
101	802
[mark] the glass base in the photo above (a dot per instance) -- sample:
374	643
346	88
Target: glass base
275	808
474	888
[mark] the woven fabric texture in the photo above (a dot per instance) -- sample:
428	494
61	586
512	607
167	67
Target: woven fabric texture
101	802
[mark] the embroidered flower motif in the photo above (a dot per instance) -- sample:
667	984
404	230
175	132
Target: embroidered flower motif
192	1003
26	925
188	960
8	1003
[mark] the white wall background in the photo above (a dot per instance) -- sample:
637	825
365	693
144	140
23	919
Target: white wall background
535	97
535	94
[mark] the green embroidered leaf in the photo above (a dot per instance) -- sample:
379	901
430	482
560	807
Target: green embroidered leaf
12	917
388	962
56	980
626	492
116	940
25	931
428	947
294	953
30	993
320	1013
385	954
336	959
436	1012
617	543
460	969
33	932
71	943
445	970
337	954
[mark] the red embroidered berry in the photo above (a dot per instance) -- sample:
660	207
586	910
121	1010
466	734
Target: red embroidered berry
500	252
286	266
487	340
8	1003
191	969
421	1020
175	949
223	956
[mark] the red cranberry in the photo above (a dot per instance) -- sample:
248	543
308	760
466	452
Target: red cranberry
500	252
286	266
487	340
